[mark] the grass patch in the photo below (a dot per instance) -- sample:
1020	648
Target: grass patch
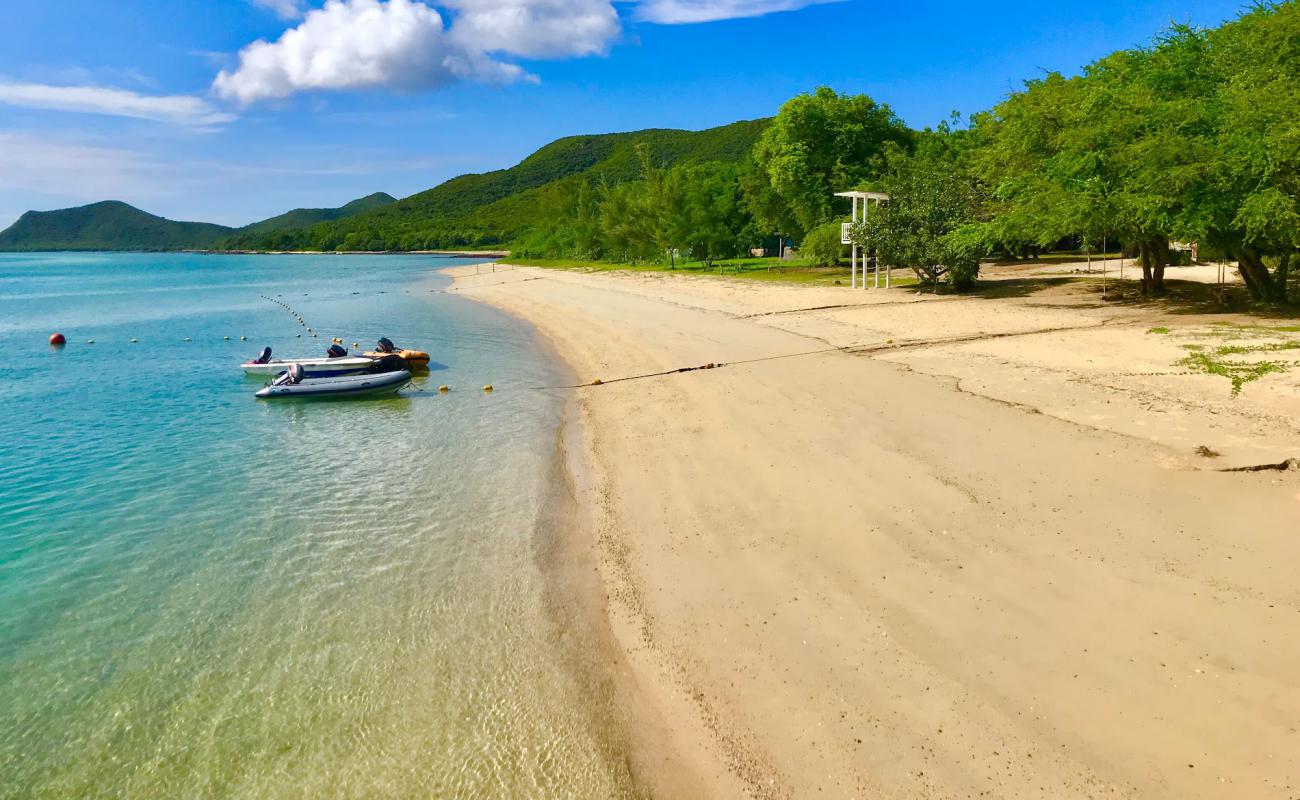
1239	373
1158	329
758	269
1233	361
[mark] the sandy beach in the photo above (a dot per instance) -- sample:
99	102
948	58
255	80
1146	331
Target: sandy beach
897	545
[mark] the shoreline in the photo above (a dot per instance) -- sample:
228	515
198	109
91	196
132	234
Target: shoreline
804	624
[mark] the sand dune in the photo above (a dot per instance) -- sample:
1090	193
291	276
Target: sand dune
902	546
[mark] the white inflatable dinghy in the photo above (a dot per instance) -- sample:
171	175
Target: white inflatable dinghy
368	385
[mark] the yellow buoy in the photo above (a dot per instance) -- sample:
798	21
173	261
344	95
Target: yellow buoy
356	344
444	388
487	387
597	382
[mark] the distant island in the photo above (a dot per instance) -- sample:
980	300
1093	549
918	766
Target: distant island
114	225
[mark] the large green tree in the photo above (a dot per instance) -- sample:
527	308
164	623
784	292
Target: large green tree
928	221
1247	202
821	143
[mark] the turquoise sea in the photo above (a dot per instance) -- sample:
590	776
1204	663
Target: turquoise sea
207	595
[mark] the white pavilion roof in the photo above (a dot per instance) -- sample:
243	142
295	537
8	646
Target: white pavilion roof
864	195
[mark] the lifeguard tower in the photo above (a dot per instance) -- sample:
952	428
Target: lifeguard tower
862	201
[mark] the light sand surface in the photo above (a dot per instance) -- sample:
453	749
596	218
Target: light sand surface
912	546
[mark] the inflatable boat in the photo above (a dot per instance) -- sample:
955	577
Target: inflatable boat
367	385
418	359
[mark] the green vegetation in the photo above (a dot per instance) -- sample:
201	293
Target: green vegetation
927	225
822	245
526	200
1239	362
1239	372
1158	329
819	144
1192	138
113	225
303	217
773	270
110	225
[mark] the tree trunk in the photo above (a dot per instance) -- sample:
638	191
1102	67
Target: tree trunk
1144	257
1281	277
1154	255
1254	273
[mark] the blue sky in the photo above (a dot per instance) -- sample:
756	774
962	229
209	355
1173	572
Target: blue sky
234	110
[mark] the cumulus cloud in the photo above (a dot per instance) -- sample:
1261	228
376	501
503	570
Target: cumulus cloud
284	9
536	28
179	109
358	44
407	45
682	12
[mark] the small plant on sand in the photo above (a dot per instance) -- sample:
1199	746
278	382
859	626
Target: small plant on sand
1238	372
1238	353
1158	329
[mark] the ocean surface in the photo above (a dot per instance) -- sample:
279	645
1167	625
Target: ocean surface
207	595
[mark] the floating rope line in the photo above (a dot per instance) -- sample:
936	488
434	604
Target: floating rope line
297	317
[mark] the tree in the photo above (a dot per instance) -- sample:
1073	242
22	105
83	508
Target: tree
822	245
713	216
1247	203
928	223
819	144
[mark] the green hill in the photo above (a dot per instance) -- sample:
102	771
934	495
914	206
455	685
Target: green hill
304	217
114	225
110	225
497	207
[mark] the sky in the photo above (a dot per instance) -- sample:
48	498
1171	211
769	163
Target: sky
232	111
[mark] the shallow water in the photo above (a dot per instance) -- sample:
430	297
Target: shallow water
204	594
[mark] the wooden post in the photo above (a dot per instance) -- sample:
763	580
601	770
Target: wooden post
853	259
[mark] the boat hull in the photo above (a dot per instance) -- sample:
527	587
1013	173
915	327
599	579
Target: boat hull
416	358
314	367
384	383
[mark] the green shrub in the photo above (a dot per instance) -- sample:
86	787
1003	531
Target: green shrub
822	245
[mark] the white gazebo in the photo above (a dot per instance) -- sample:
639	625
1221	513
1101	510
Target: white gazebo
860	200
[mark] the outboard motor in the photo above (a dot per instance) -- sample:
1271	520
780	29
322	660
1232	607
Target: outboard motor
389	363
336	351
386	345
264	357
290	376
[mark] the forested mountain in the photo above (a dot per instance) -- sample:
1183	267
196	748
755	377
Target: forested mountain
114	225
498	207
304	217
110	225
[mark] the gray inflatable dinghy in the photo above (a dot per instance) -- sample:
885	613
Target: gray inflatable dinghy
292	384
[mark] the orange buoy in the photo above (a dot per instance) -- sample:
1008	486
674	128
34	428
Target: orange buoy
57	339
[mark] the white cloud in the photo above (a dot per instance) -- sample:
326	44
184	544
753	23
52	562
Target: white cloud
682	12
357	44
284	9
536	28
406	45
179	109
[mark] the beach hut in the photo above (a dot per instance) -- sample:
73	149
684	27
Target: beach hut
861	202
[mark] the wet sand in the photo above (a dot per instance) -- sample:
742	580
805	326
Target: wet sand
912	546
